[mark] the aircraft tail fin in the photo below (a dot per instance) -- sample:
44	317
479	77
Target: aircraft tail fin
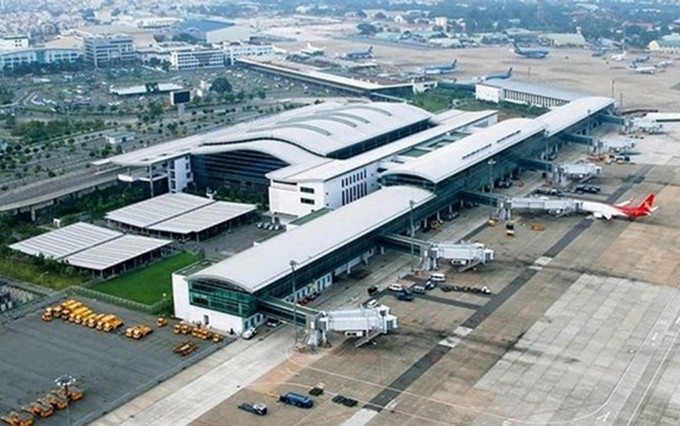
370	49
510	72
454	63
648	203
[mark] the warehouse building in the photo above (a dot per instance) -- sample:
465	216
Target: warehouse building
519	92
102	251
182	217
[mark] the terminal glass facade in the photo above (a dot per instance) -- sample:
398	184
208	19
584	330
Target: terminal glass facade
219	296
234	169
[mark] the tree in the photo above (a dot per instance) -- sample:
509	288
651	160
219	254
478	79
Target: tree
221	85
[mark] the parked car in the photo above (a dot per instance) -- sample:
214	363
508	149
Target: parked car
504	184
405	295
372	290
586	188
259	409
419	289
249	333
273	322
372	303
429	285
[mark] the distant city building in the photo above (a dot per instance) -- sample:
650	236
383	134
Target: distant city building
109	50
235	51
120	138
14	42
667	44
182	56
196	59
157	22
10	59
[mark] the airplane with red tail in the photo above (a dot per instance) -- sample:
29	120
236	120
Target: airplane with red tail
609	211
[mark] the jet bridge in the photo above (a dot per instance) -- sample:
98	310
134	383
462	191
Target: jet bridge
558	207
465	255
366	323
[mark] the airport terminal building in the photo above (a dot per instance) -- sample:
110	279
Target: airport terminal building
238	292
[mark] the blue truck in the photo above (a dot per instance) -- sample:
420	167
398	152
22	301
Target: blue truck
292	398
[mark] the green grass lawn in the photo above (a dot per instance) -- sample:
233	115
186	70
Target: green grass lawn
22	270
148	284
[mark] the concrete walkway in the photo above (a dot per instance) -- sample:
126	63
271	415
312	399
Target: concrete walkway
185	397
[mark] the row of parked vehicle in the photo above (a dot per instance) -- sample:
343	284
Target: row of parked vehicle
270	226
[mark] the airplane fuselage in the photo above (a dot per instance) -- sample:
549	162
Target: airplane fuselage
606	211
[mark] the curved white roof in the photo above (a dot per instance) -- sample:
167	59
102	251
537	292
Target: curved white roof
325	128
259	266
458	156
563	117
285	152
317	129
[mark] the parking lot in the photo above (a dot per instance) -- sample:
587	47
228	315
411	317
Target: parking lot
109	367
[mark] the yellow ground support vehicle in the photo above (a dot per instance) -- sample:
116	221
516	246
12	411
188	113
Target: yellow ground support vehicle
47	316
138	331
161	322
185	348
217	338
181	329
112	324
201	333
18	419
68	307
92	321
83	310
57	401
39	408
74	393
77	317
104	320
83	320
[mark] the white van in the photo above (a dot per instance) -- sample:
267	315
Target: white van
395	287
438	277
372	304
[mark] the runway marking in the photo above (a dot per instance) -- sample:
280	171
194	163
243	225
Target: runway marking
604	417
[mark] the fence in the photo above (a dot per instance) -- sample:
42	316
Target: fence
42	302
119	301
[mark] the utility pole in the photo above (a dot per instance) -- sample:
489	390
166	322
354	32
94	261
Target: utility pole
64	381
293	264
411	203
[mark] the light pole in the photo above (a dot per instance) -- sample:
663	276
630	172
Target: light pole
64	381
613	85
412	232
293	264
491	163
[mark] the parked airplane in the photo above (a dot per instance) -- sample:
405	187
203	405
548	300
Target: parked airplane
498	76
359	54
279	51
642	70
608	211
618	57
313	51
441	69
641	59
532	53
665	64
